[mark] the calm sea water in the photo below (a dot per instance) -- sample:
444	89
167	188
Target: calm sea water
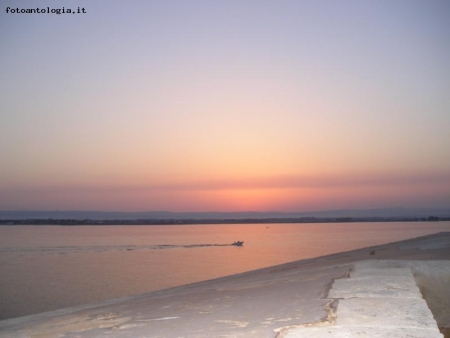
44	268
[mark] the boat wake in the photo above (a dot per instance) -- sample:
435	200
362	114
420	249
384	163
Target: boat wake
91	249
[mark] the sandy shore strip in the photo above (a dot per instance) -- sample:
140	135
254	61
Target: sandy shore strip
270	302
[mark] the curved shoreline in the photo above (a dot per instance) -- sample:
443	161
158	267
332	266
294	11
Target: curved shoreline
259	303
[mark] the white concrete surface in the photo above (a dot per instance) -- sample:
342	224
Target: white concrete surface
385	312
379	300
288	300
361	332
376	287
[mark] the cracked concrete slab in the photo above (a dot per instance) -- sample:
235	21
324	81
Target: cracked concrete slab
387	312
367	269
380	299
280	301
359	332
375	287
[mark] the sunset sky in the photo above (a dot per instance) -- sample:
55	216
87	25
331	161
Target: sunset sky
225	105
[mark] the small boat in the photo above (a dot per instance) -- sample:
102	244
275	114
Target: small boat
238	243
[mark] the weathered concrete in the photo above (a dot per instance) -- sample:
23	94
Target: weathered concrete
276	301
380	299
361	332
385	312
376	287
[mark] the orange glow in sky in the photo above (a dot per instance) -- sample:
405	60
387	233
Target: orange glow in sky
227	107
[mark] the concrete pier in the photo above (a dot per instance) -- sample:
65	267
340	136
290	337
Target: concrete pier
379	299
385	291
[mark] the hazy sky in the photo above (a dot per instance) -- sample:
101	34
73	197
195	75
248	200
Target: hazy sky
225	105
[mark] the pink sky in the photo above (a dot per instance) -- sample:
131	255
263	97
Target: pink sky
226	107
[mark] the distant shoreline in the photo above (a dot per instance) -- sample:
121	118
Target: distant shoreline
75	222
